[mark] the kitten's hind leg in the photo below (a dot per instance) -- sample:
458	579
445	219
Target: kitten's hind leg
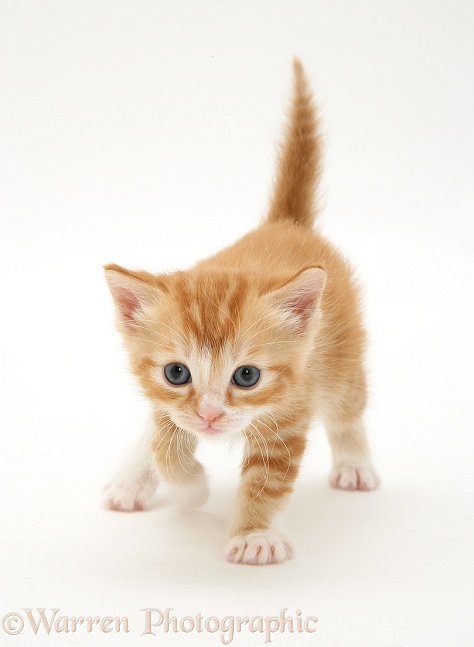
352	465
134	483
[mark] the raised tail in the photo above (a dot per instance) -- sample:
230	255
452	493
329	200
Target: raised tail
298	166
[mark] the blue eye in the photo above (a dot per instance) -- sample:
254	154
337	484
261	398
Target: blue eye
177	374
246	376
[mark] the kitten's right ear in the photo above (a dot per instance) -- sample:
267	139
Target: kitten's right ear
131	291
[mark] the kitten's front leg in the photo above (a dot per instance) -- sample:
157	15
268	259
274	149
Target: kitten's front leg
135	482
268	474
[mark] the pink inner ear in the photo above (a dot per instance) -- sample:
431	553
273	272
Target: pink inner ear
301	297
302	304
128	302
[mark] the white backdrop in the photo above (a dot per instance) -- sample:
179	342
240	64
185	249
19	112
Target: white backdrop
143	133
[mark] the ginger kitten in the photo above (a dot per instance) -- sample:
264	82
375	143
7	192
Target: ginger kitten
256	340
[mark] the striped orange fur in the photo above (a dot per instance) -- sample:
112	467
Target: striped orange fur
281	300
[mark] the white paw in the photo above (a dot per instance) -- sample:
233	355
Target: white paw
354	477
259	548
192	494
129	494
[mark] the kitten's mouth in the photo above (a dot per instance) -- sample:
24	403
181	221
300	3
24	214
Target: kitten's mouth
210	430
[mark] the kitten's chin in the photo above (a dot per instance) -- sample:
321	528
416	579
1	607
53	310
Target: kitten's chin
211	431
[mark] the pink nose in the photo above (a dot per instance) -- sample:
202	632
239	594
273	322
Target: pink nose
209	411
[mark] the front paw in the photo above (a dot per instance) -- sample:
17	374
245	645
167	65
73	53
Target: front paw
354	477
128	494
259	548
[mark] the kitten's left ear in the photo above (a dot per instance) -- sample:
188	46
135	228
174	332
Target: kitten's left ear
131	291
300	297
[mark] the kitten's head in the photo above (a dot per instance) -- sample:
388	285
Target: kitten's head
214	350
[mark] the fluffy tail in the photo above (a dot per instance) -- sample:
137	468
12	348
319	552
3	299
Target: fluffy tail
298	167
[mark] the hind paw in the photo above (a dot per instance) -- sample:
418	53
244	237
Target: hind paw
354	477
